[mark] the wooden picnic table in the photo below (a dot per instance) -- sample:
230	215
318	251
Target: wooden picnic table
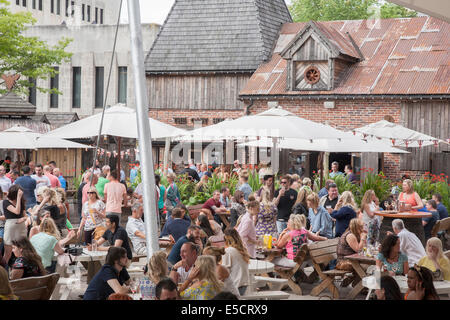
224	217
357	260
270	254
412	220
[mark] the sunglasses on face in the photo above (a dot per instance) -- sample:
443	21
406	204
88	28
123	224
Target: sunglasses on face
91	193
283	182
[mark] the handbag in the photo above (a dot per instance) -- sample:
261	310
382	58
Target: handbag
344	265
98	231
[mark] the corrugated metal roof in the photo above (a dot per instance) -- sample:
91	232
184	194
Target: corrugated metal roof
402	56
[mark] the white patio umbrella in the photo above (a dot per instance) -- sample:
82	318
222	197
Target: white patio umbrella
119	121
349	144
19	137
397	134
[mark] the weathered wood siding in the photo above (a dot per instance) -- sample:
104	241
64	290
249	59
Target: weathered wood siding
196	92
431	118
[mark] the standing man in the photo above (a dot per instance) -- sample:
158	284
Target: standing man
330	200
54	182
41	179
244	186
351	177
335	170
28	185
134	171
52	165
32	166
5	182
62	181
115	195
103	180
190	172
285	198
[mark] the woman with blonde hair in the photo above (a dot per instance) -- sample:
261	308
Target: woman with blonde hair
409	196
93	216
301	206
371	221
296	182
267	215
344	211
48	241
306	183
154	272
222	273
202	282
6	292
292	239
353	240
320	219
236	259
435	260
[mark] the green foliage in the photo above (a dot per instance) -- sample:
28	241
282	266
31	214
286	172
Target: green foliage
27	56
253	180
76	181
377	182
328	10
344	185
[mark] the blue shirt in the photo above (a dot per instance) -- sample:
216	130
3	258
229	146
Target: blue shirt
396	267
99	288
334	174
443	213
63	182
28	185
321	222
133	174
246	189
343	217
322	192
177	228
174	255
431	221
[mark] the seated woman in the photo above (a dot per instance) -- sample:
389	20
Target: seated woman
237	207
389	289
344	211
203	184
320	219
222	272
154	272
267	215
48	241
202	282
292	238
435	260
391	258
420	284
6	292
211	228
28	263
112	277
353	240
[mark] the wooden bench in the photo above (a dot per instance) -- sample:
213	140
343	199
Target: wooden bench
275	284
441	225
321	253
266	295
35	288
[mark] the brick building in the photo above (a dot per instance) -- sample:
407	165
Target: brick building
352	73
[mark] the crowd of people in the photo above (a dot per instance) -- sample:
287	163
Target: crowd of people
34	225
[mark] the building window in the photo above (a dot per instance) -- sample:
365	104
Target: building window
24	3
99	82
101	16
89	13
67	8
32	92
52	6
54	84
58	7
72	13
180	120
17	2
204	121
33	4
122	96
96	15
82	11
217	120
40	5
76	87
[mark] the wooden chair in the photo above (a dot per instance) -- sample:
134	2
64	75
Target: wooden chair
287	273
35	288
441	225
321	253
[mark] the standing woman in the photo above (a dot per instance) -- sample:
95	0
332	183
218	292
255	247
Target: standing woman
63	207
237	207
14	211
371	221
172	194
28	263
267	215
410	197
301	205
320	219
93	215
344	211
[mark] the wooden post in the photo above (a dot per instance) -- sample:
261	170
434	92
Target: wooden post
166	155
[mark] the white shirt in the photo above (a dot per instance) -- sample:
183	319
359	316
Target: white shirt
183	273
42	181
233	260
411	246
5	183
134	225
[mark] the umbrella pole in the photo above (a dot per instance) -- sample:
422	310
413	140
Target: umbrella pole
166	156
119	143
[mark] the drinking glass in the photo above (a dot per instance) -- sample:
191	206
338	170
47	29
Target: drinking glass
134	283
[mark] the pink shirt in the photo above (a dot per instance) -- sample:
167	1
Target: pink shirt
299	237
54	181
247	231
114	193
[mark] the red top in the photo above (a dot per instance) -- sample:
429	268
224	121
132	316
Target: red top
210	203
408	198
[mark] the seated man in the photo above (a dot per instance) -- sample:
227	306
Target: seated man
428	223
112	277
409	243
181	270
115	235
443	213
136	229
324	190
225	197
177	227
192	235
184	210
213	206
166	289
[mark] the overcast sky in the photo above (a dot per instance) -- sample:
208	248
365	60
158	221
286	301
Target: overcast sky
153	10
